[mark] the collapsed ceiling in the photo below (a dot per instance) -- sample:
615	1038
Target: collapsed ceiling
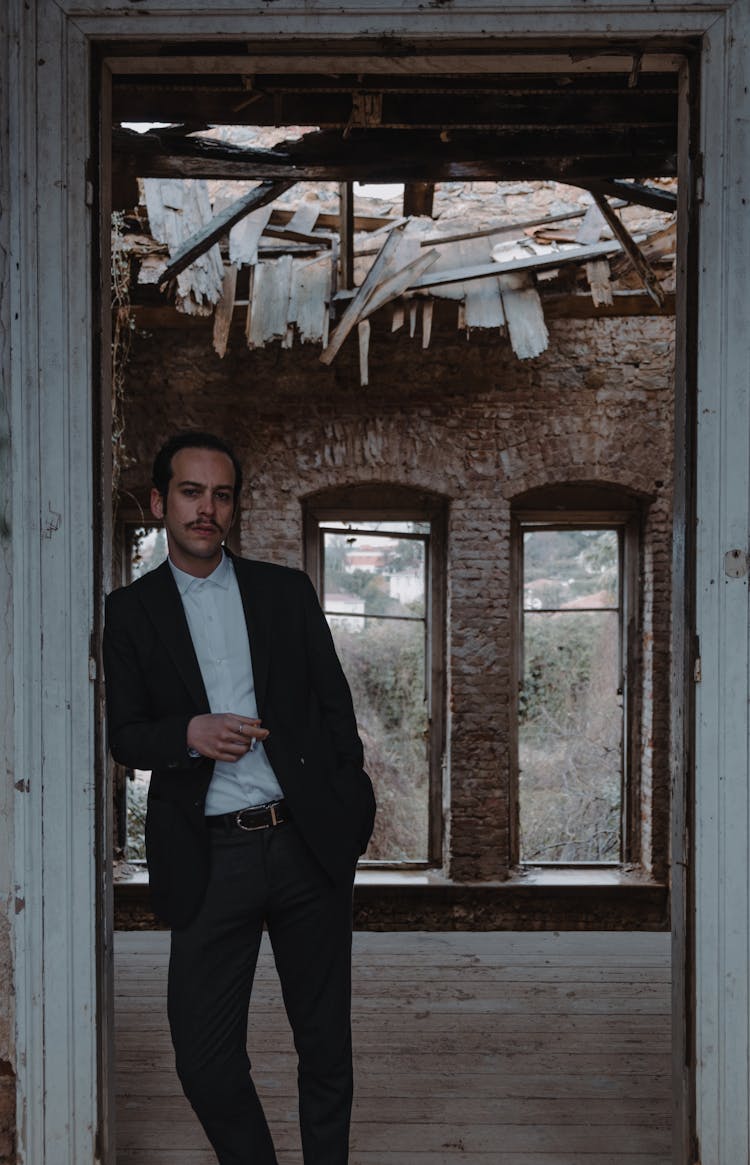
228	224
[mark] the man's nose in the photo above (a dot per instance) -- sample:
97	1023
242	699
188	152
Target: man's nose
207	504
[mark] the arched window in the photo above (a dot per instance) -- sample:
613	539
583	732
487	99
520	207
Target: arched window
376	556
579	673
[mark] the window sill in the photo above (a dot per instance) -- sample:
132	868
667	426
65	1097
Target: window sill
534	898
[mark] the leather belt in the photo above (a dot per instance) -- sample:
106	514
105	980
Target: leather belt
248	820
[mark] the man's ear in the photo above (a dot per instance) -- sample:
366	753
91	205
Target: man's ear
157	504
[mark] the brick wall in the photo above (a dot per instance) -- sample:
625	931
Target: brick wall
469	421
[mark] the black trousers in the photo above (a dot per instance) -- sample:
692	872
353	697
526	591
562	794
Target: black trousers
265	876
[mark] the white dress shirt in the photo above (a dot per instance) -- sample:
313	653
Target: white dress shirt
216	619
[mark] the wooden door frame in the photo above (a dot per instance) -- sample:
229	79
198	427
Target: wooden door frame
54	868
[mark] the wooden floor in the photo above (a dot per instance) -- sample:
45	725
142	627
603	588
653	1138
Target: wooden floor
471	1049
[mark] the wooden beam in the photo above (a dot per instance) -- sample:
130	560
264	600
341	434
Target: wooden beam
571	155
220	225
323	242
532	263
603	60
346	234
281	216
634	192
557	305
633	251
383	266
511	228
418	198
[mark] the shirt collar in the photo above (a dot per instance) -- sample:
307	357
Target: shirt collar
221	576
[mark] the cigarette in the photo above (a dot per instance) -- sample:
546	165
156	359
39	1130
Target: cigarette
253	743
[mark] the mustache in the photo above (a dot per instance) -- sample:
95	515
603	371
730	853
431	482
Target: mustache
202	525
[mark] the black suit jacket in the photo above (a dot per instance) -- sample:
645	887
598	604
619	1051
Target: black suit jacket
154	688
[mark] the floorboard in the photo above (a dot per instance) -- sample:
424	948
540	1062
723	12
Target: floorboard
470	1049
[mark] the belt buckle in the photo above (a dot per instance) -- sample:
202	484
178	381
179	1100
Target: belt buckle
249	828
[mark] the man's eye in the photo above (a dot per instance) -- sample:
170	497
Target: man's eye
224	497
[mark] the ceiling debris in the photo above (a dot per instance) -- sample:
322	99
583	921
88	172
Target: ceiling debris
276	254
176	209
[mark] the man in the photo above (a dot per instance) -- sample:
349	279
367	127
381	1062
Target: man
223	680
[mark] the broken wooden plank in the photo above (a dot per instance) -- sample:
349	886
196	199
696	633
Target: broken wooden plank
220	225
363	335
524	315
482	304
244	237
269	305
633	251
590	230
281	216
311	293
298	226
598	275
382	266
502	228
397	317
397	283
428	308
224	311
321	242
639	193
306	214
533	263
175	210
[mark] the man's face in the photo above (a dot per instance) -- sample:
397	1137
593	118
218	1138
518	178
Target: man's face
199	508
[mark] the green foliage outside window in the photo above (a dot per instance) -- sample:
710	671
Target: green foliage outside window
570	703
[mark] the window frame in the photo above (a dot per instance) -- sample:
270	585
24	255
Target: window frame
626	519
400	509
127	520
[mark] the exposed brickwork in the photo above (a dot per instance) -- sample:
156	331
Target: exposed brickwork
469	421
493	906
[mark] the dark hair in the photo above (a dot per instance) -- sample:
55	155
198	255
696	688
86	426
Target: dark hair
191	439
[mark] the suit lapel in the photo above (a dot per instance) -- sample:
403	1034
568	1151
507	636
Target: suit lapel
162	600
257	605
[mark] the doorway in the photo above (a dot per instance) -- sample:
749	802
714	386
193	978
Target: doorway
522	161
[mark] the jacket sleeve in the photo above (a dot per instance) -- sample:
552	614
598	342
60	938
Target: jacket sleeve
138	736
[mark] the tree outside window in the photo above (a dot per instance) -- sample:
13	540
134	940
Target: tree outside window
577	620
375	576
145	549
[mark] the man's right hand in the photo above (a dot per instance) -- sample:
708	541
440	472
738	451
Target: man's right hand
224	735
